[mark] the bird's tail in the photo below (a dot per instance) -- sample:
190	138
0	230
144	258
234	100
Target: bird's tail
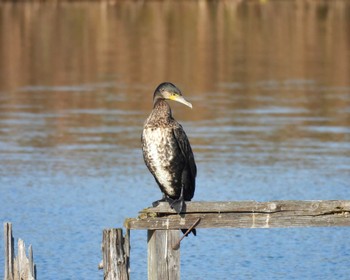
185	231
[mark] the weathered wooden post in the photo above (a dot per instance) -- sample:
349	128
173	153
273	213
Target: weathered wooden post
9	251
20	267
163	259
116	253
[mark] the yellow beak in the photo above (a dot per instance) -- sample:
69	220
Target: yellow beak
180	99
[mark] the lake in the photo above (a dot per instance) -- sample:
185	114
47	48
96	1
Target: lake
270	86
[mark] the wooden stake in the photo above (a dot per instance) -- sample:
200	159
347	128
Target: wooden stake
9	251
115	250
163	260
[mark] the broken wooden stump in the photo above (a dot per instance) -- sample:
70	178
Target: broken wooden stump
116	252
18	267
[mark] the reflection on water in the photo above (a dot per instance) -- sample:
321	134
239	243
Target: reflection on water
271	92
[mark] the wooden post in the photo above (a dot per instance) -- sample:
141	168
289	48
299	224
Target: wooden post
163	260
116	252
20	267
9	251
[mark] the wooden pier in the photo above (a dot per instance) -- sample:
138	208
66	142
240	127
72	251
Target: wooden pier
163	224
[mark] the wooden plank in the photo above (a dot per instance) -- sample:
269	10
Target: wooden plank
163	260
240	220
314	206
248	214
115	251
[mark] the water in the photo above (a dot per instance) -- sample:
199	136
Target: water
271	120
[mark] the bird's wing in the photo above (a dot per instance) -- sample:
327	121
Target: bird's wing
144	153
186	150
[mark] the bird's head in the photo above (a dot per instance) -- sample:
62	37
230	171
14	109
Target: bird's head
169	91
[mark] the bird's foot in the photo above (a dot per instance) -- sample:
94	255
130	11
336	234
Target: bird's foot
164	199
177	205
156	203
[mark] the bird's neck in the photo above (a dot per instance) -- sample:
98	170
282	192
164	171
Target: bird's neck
161	110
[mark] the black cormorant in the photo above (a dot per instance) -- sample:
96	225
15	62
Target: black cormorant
167	151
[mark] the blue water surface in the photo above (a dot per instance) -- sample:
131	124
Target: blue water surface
269	83
60	198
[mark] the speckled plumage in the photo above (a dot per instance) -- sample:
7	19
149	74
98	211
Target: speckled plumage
167	152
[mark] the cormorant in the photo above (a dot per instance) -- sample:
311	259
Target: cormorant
167	151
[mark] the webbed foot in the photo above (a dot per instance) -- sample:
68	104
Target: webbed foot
178	205
155	203
164	199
